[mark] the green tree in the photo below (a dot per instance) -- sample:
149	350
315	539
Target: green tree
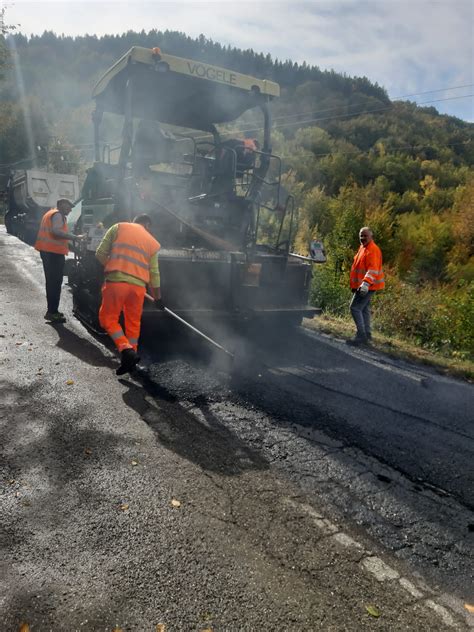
5	29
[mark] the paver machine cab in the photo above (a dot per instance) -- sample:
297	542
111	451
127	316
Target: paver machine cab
217	203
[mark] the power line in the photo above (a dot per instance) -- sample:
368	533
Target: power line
76	147
73	146
380	109
18	162
330	118
331	109
404	96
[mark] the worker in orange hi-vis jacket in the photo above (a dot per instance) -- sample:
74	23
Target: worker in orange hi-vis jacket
129	254
366	279
53	244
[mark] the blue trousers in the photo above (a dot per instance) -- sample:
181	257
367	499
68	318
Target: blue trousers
360	310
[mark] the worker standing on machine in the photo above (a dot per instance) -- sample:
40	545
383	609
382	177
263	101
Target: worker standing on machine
129	254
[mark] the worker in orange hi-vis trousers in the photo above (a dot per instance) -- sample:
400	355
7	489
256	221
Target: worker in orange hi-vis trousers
129	254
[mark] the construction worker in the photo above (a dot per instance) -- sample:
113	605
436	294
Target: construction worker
52	243
366	279
251	145
129	254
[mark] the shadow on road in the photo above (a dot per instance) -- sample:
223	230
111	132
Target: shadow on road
52	464
196	434
81	348
54	456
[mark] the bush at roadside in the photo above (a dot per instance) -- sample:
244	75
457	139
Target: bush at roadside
440	318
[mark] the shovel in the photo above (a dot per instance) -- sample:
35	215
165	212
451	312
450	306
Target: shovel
194	329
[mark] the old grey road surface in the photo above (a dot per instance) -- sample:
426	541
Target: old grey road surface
312	487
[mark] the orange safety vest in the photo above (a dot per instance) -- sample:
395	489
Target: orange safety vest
249	145
367	266
131	251
46	240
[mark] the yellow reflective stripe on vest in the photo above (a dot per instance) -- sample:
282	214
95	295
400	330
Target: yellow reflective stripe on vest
128	247
136	262
46	240
50	241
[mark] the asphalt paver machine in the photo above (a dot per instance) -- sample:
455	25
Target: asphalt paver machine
216	198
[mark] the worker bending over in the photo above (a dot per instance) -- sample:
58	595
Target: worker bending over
129	254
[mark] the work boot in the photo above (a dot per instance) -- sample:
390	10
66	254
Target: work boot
129	359
50	315
58	317
358	341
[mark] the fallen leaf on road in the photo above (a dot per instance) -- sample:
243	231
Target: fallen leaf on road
372	610
69	382
175	503
207	630
87	451
26	503
24	627
117	630
18	343
160	627
124	507
469	607
134	462
206	616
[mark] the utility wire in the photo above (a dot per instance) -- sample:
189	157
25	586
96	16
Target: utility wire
331	109
347	153
404	96
18	162
75	147
380	109
330	118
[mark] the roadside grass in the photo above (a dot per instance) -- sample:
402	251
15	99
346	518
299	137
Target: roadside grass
395	347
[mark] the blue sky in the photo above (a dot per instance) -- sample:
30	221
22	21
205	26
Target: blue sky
408	47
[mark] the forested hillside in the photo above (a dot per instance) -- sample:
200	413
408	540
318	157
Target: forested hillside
351	157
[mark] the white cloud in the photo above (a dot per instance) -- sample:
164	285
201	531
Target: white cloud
404	46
